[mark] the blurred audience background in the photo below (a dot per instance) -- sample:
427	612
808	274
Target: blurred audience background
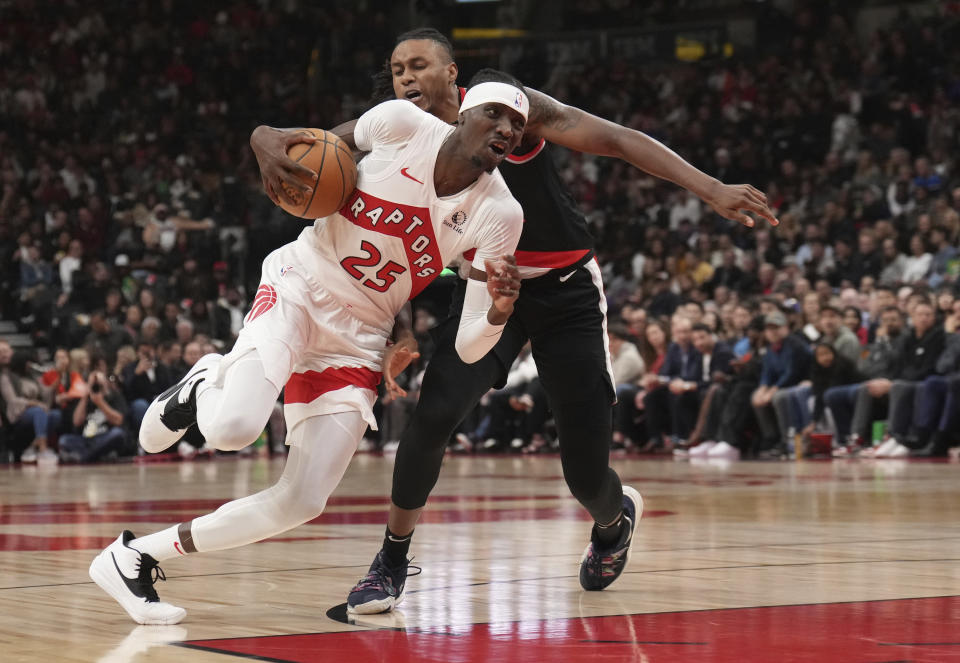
133	223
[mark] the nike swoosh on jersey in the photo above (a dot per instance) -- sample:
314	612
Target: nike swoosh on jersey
403	171
564	278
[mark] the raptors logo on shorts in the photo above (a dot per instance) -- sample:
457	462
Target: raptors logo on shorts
263	302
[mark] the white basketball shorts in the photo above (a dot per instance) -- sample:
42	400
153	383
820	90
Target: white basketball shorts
324	358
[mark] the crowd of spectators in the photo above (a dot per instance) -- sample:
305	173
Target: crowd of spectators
132	224
851	299
131	210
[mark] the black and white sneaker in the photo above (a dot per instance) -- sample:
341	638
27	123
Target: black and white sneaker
175	410
600	566
128	576
381	590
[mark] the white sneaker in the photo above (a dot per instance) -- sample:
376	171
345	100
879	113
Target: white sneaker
128	576
885	447
725	451
175	410
47	457
702	449
29	455
898	451
186	450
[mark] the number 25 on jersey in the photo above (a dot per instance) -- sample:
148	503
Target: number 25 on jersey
384	277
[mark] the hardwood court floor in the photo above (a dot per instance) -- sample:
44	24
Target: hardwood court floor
794	561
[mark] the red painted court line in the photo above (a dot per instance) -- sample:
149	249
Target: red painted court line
476	509
27	542
187	504
641	481
23	542
916	630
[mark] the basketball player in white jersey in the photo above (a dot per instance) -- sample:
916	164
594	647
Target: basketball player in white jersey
426	192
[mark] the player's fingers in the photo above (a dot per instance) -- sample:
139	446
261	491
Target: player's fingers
271	194
739	217
757	192
296	137
754	197
288	195
765	212
300	173
298	178
510	259
388	380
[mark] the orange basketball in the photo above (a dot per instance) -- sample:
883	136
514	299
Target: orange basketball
332	161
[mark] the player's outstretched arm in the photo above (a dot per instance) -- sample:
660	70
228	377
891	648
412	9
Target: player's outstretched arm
583	132
270	146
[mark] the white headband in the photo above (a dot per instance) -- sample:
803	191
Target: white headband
500	93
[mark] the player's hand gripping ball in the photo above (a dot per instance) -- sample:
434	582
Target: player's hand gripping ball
332	161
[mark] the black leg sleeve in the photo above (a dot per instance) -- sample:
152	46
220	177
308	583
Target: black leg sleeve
585	429
581	397
449	392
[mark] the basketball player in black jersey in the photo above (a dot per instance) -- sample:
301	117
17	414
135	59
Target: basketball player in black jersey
561	310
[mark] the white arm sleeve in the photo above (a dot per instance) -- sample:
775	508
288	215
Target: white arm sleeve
498	235
394	121
476	336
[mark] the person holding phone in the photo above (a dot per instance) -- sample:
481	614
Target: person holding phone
97	423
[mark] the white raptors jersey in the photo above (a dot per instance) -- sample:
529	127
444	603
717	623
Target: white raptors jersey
395	235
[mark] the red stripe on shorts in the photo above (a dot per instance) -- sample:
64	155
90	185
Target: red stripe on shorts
310	385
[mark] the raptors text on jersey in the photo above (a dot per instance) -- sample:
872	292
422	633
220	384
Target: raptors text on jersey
395	234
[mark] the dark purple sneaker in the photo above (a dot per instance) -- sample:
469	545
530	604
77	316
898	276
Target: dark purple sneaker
381	590
599	567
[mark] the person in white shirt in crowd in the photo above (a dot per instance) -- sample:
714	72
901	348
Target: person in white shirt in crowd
918	263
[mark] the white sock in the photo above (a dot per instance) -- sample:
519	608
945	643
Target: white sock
161	545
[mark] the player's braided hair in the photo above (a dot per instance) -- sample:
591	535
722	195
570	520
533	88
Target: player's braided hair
383	79
427	33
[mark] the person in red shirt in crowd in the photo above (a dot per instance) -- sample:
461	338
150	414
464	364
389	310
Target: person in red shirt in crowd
68	385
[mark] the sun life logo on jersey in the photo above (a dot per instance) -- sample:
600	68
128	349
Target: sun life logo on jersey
457	219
